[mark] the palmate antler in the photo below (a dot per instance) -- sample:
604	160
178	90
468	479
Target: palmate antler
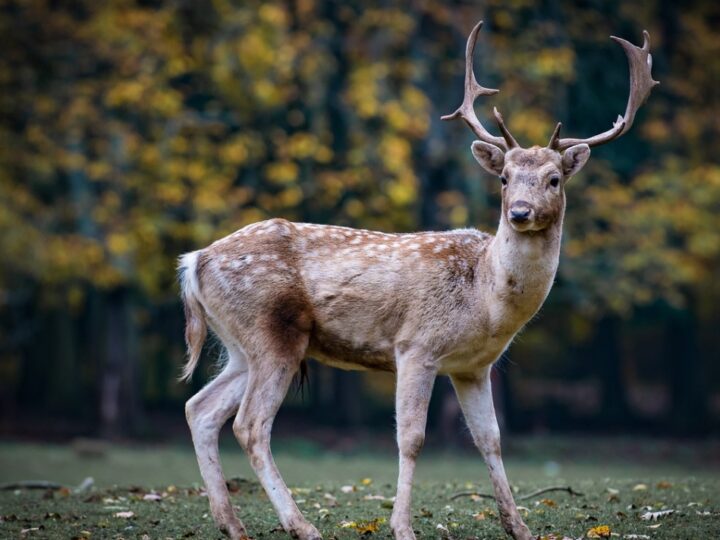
641	83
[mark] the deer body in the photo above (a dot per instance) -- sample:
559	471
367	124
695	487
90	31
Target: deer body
417	305
360	295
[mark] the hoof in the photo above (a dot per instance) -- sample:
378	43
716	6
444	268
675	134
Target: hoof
403	533
523	533
304	531
234	531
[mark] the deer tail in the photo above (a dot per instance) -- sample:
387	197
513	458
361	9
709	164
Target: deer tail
195	318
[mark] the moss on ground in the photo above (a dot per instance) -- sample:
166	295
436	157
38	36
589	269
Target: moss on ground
349	508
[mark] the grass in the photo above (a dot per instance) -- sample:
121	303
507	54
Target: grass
620	479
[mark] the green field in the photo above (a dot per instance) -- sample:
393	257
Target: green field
620	479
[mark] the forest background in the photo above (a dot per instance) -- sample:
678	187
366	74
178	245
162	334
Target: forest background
132	132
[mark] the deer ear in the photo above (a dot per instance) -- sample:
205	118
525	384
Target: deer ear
489	156
574	159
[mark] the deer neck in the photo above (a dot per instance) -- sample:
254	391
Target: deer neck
524	264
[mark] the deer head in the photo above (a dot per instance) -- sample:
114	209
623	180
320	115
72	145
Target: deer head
533	179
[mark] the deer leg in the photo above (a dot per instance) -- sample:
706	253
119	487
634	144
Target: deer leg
475	396
206	412
265	392
415	377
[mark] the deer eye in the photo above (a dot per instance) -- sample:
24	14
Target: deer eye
554	181
503	180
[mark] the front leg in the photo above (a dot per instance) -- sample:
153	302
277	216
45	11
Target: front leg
416	371
475	396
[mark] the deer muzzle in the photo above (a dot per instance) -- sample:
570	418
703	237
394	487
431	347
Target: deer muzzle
520	213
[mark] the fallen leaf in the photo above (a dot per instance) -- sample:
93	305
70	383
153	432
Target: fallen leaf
366	481
654	516
639	487
367	527
348	489
548	502
124	515
663	485
601	531
637	537
152	496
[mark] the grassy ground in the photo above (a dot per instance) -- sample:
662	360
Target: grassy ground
621	480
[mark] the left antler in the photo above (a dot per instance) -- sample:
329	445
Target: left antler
472	91
641	83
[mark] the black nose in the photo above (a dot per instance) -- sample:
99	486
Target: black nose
520	214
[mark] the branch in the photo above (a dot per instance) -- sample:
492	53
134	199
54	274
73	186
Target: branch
31	484
567	489
45	484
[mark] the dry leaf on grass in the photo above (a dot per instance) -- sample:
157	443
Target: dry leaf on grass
654	516
124	515
601	531
367	527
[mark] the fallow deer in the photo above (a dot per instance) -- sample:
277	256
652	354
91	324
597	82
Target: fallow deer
417	305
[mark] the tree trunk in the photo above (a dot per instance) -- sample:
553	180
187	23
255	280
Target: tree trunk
608	358
689	414
119	390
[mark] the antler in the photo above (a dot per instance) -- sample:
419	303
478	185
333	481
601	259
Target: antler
641	83
472	91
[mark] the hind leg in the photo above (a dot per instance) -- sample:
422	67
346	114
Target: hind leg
206	412
267	385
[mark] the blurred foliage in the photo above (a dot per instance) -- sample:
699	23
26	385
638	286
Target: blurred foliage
134	131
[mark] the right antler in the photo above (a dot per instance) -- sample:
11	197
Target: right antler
641	83
472	91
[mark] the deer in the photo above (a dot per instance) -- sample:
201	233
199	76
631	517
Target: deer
418	305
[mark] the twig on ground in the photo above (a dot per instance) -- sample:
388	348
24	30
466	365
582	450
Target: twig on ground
567	489
84	486
31	484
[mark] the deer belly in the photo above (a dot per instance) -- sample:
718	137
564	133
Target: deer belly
350	350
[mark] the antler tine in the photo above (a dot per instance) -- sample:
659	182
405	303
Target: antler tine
510	141
555	138
641	84
473	90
